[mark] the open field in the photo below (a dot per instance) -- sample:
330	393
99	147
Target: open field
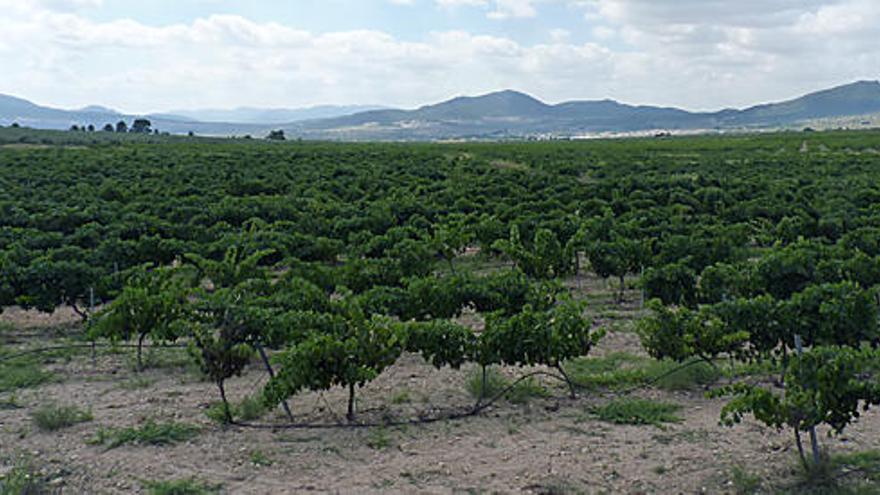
668	282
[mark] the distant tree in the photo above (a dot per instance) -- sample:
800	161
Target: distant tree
108	128
74	128
121	126
91	128
155	132
191	134
141	126
15	125
277	135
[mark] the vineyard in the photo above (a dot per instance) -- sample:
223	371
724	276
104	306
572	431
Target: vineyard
183	315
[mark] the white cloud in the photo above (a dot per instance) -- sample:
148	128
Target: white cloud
738	53
505	9
500	9
559	35
462	3
691	53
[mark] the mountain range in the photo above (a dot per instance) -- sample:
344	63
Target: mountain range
499	115
250	115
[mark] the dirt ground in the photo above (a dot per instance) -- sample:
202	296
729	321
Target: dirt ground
548	445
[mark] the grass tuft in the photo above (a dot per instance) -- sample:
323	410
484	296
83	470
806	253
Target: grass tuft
496	382
378	439
623	370
744	482
23	479
638	412
249	409
493	384
22	372
526	390
52	417
9	403
401	397
188	486
854	473
259	458
150	433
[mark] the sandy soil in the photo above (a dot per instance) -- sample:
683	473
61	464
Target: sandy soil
549	445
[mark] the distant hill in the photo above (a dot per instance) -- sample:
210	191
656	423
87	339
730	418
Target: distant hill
255	121
858	98
249	115
25	113
499	115
513	114
99	110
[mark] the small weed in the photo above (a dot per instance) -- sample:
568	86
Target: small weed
138	382
162	358
259	458
686	376
378	439
383	484
25	372
525	391
401	397
686	436
638	412
23	479
866	463
621	370
52	417
249	409
556	486
512	428
855	473
744	482
615	370
9	403
495	383
180	487
151	433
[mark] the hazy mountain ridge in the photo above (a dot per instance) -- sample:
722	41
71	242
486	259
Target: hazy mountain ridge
514	114
256	121
502	114
252	115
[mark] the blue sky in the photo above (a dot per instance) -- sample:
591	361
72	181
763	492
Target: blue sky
170	54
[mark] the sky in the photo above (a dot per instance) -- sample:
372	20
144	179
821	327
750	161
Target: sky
160	55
